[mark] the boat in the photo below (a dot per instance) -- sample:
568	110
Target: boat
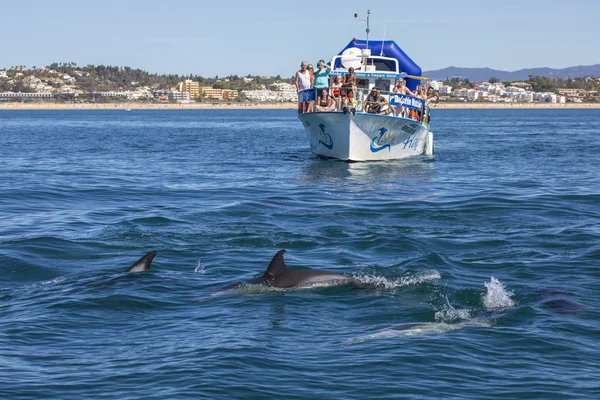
354	133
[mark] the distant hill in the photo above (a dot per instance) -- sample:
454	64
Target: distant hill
484	74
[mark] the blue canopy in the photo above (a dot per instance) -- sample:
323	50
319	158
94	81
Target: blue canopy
392	50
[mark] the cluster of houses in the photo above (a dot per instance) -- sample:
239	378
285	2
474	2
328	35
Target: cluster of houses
516	92
53	84
276	92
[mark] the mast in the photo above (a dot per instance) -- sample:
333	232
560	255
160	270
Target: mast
368	25
368	29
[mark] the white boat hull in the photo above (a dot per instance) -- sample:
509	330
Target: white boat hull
365	137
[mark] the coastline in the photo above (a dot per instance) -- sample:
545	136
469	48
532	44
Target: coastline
144	106
268	106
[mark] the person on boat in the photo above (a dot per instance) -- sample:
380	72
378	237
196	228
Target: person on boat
431	97
336	87
376	103
347	91
372	102
321	75
311	104
303	81
401	88
325	102
385	108
420	94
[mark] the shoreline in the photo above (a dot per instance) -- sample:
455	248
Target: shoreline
268	106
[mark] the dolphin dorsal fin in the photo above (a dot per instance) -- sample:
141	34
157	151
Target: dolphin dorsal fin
143	264
276	267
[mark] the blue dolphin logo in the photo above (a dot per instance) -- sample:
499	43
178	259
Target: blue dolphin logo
377	140
329	143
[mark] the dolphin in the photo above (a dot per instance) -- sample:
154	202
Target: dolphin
279	275
420	329
143	264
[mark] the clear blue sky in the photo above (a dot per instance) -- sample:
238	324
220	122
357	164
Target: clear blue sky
271	37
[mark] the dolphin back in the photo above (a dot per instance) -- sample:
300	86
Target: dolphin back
143	264
276	268
279	275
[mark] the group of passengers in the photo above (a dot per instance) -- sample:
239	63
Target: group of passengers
428	96
338	93
342	88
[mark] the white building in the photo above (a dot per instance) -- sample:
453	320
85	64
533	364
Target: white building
172	95
484	86
483	94
460	93
271	95
447	90
472	95
436	85
284	91
69	79
19	95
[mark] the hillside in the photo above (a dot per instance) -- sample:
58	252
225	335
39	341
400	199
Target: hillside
484	74
97	78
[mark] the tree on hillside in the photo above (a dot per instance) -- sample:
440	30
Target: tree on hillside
542	83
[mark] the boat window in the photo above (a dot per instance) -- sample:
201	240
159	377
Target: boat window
382	65
383	84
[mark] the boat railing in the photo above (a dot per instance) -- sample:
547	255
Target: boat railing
394	104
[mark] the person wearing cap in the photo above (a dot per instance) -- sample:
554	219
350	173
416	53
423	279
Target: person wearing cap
322	75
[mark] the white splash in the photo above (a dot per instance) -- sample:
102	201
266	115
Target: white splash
53	281
200	268
385	283
449	313
497	296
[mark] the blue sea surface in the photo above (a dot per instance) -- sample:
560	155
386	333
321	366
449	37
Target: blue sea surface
483	261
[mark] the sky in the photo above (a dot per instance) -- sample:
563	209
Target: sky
211	38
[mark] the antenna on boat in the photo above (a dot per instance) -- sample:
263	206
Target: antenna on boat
368	27
383	41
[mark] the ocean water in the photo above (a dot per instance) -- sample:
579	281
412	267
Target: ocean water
484	260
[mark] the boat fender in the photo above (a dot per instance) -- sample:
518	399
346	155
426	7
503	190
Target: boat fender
429	144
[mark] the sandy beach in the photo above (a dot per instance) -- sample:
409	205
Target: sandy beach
142	106
251	106
486	105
